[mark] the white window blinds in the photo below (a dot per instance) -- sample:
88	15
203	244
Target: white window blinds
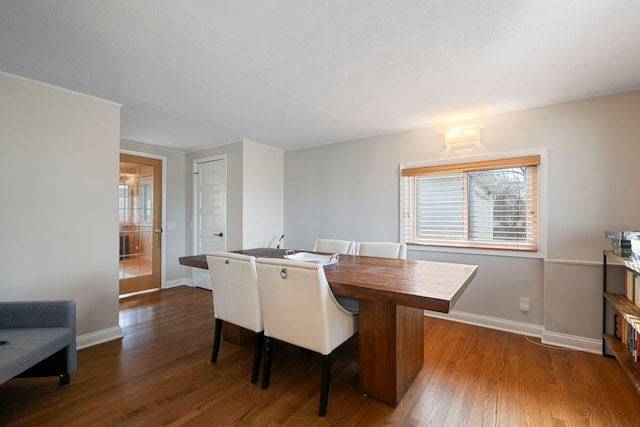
488	204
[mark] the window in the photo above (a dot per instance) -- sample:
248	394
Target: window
136	203
487	204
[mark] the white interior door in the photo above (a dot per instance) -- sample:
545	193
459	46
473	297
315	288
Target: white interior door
210	233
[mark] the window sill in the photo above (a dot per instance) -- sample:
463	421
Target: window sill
476	251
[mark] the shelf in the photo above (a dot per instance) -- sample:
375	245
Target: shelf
613	259
630	368
629	310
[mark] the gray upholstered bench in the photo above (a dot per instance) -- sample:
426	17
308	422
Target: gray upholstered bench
37	338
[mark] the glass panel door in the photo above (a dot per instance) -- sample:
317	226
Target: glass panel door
139	212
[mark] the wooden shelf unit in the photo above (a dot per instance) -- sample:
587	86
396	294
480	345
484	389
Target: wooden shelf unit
628	310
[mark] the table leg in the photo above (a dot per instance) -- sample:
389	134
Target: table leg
391	349
236	334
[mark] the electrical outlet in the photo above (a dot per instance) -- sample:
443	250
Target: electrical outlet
525	305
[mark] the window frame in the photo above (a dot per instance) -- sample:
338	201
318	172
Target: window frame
498	161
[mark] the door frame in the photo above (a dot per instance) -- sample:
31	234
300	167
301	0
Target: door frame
163	222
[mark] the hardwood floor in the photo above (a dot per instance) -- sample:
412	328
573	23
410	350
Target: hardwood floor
160	374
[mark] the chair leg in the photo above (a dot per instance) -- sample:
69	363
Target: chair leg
217	337
64	378
257	356
266	372
324	388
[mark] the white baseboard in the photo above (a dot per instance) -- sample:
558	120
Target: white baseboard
552	338
185	281
520	328
178	282
589	345
573	342
115	333
99	337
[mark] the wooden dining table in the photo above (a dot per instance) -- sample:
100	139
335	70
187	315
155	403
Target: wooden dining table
393	295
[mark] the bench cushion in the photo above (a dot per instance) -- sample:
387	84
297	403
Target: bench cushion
27	346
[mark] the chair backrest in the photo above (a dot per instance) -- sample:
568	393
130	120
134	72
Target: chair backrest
234	281
298	306
382	249
334	246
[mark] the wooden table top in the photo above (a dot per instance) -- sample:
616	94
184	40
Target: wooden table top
421	284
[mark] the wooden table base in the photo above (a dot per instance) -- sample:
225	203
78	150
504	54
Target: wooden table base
391	349
236	334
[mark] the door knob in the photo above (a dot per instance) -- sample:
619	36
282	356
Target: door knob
158	230
219	234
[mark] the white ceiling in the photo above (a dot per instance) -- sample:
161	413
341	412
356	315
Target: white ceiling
294	73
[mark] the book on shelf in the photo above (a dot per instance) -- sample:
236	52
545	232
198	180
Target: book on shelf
621	241
627	334
632	262
629	285
632	340
623	252
632	287
625	244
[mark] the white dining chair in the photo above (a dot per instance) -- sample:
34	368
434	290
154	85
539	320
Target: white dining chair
334	246
299	308
382	249
345	247
234	282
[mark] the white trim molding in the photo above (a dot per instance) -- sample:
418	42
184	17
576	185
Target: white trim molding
178	282
99	337
574	262
63	89
573	342
521	328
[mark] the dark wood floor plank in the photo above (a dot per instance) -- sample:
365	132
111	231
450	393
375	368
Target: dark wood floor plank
160	375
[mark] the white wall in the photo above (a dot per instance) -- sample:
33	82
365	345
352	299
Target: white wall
262	189
59	195
350	190
175	204
254	193
344	191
